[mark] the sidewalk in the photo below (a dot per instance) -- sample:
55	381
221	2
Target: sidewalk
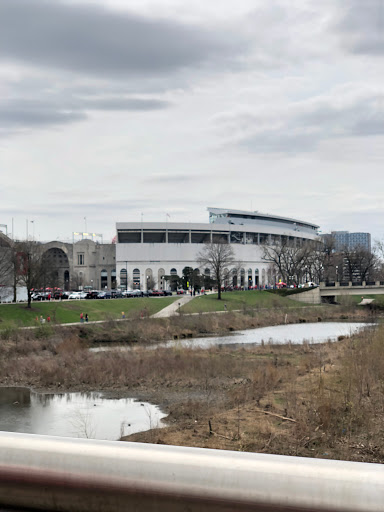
173	309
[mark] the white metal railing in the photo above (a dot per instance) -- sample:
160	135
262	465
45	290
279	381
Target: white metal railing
53	473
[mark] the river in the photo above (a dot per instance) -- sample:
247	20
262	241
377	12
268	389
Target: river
86	415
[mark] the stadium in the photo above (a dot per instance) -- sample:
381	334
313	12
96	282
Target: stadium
148	251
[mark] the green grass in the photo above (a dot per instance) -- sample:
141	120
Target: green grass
239	301
69	311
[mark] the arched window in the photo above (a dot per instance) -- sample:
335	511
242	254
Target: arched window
207	272
250	280
113	279
123	278
104	278
149	280
257	283
234	277
66	280
160	279
136	279
242	277
173	272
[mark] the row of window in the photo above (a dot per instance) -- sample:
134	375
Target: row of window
197	237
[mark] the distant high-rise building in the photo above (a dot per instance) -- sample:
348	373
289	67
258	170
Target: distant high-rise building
351	240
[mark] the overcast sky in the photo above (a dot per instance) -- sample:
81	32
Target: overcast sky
116	109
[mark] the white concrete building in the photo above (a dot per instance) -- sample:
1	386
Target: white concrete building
148	251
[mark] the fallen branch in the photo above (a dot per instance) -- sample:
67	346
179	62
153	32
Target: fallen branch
276	415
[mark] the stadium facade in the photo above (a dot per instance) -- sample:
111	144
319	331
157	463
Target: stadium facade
148	251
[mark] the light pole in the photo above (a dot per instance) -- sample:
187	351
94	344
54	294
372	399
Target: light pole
337	273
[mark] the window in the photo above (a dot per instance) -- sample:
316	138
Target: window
103	278
136	279
123	278
80	258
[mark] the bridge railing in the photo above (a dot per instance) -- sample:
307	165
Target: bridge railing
52	473
350	284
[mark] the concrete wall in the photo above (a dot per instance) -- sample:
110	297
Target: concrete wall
312	296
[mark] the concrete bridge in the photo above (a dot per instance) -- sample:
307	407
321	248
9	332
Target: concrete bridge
327	292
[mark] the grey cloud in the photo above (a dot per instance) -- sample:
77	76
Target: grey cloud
59	110
93	39
32	113
361	26
301	126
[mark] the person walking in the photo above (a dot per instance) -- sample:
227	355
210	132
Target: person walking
122	315
81	318
86	317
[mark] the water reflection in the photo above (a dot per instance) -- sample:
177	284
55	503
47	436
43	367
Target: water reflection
319	332
87	415
279	334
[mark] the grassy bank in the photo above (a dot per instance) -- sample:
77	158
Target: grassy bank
69	311
252	299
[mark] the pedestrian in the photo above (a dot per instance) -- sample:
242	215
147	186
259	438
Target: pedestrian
122	315
225	307
86	317
81	318
48	318
41	319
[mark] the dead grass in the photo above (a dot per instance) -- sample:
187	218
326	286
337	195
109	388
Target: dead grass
307	400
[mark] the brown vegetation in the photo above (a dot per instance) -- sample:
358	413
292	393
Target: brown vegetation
308	400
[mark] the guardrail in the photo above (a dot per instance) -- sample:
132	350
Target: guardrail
52	473
350	284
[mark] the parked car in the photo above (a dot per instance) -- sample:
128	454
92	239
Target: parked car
116	294
167	292
60	295
92	295
74	295
37	296
180	292
157	293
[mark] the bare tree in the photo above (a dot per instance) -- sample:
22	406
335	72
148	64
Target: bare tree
216	257
151	283
6	267
29	266
359	262
321	259
290	257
